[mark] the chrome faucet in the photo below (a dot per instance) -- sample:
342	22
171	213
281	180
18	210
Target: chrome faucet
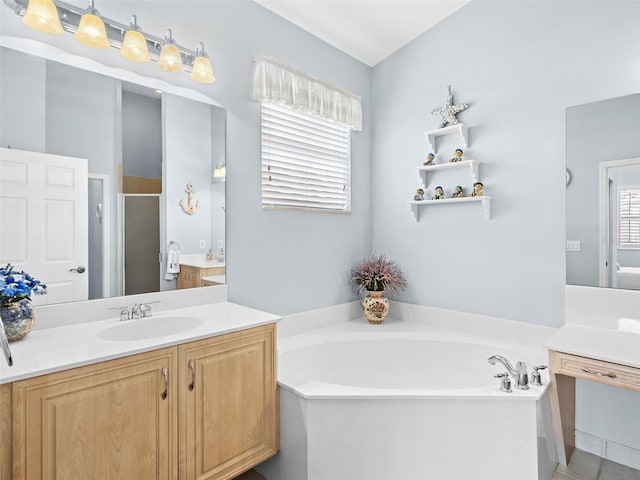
5	345
519	374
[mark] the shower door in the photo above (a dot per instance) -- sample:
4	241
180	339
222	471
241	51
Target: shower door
141	244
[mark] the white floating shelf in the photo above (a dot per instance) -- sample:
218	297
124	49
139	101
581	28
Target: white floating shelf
460	128
486	204
472	164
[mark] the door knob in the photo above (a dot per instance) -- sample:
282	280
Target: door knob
80	269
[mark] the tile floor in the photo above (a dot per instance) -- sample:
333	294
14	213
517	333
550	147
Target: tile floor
585	466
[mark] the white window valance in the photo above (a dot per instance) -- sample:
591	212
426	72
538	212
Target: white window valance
282	85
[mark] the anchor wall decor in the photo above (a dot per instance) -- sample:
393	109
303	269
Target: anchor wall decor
190	207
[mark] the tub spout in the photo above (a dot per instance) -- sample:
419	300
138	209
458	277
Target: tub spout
519	373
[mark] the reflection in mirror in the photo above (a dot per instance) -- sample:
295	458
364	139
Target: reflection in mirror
603	197
117	178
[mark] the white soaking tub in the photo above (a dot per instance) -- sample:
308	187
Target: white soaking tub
401	401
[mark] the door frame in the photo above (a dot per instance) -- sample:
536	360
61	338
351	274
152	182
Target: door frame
106	224
604	206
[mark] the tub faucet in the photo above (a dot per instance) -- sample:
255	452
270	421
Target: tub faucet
519	374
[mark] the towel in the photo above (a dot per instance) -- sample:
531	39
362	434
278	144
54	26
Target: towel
173	264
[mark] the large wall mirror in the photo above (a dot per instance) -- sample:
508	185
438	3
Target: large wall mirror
603	193
129	181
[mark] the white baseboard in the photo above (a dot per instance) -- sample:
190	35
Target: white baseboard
604	448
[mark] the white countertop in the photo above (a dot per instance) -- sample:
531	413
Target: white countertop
199	260
600	343
55	349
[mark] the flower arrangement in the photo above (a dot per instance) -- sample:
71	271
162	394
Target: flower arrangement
16	286
376	274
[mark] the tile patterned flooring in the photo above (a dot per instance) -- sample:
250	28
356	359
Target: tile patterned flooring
586	466
583	466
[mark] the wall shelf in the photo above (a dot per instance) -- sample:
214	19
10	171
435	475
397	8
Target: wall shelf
460	128
486	204
472	164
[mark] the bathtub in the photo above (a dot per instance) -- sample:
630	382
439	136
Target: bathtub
406	401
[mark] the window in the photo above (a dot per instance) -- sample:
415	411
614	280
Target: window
629	217
306	161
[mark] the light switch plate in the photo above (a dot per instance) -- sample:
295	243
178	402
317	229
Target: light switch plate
573	245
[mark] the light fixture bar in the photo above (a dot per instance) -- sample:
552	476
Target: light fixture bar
70	18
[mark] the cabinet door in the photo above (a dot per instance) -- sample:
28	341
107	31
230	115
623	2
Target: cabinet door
105	421
228	404
189	277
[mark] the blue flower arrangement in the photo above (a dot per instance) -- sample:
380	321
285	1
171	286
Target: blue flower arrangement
16	286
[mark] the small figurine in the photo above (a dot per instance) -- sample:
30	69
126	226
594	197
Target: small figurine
478	189
431	160
419	196
457	192
439	194
457	156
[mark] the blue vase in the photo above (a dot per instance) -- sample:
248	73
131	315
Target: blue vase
18	318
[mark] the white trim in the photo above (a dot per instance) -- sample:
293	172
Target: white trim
603	204
106	222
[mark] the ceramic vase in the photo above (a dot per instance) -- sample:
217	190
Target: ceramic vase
18	319
376	307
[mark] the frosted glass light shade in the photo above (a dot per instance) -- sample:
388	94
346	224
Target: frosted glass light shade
134	47
202	71
42	15
91	31
170	60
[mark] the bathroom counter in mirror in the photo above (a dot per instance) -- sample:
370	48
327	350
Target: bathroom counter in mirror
56	349
193	273
601	355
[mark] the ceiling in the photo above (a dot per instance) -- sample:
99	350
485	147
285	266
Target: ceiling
368	30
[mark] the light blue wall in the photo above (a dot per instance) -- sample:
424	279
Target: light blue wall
278	261
519	65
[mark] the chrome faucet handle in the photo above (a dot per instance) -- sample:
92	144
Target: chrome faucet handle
145	309
536	378
124	312
505	382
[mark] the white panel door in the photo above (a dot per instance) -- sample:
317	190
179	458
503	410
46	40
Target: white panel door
43	221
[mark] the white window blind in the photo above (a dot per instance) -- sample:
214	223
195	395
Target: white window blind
629	217
306	161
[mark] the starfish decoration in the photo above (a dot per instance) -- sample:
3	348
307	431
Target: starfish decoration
447	113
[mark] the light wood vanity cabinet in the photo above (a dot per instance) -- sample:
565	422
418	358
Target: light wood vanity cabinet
230	405
190	277
143	417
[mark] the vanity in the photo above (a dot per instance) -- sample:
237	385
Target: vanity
194	397
598	343
197	271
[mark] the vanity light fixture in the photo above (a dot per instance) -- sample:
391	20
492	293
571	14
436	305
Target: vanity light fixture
170	59
95	30
134	45
42	15
202	71
91	30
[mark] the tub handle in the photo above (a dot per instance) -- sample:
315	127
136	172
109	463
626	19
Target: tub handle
505	382
192	367
599	374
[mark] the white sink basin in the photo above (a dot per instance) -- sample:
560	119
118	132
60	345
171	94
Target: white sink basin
152	327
